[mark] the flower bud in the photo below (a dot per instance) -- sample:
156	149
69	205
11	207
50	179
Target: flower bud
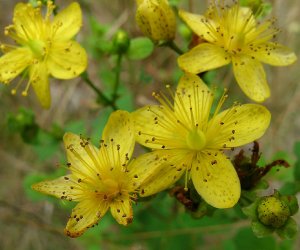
273	212
156	19
121	41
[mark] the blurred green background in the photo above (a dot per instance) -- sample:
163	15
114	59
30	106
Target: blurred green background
31	147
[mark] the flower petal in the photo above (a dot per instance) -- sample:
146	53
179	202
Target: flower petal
39	80
203	57
13	63
250	75
164	168
118	136
67	22
193	100
82	157
122	211
199	24
66	60
27	21
156	127
216	180
274	54
64	187
147	166
237	126
85	215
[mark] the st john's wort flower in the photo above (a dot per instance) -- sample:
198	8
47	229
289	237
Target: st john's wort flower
100	179
188	140
45	47
231	34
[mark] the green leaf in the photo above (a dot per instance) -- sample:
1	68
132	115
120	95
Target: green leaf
125	101
289	230
76	127
246	240
290	188
140	48
297	149
297	170
46	145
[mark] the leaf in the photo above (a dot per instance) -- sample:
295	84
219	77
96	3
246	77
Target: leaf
290	188
297	170
297	149
45	146
246	240
140	48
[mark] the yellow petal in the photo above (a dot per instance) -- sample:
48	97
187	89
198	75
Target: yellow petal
203	57
199	24
156	127
85	215
82	157
147	166
13	63
193	101
216	180
121	210
274	54
164	168
40	82
66	60
250	75
237	126
28	22
67	22
118	136
64	187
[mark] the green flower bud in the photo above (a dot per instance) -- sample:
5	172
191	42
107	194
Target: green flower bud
121	41
273	212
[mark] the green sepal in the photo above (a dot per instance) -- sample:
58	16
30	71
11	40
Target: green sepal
289	230
261	230
292	203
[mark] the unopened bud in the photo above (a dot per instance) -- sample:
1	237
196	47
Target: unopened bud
156	19
121	41
273	212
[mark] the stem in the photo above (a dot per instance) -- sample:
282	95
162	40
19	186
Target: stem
172	45
101	96
117	80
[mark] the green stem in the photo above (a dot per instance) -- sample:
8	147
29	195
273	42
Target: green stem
172	45
117	79
101	96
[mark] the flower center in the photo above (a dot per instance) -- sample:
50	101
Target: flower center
111	187
196	140
38	48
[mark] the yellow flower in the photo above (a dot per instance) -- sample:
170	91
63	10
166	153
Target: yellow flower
156	19
45	48
188	139
100	178
233	35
